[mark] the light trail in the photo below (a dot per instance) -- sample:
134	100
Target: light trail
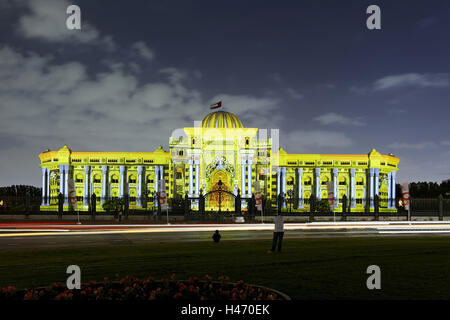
375	226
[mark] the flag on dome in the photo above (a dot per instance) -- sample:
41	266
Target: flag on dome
216	105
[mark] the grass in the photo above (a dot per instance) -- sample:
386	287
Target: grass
411	268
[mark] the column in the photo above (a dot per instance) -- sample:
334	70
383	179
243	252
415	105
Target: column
300	188
371	186
352	190
278	182
243	177
47	186
335	187
66	185
87	179
249	177
139	186
44	186
197	177
283	186
377	182
104	183
161	177
190	177
122	182
389	199
156	185
61	179
318	193
393	175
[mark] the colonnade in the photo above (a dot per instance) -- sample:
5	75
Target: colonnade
246	168
372	186
105	191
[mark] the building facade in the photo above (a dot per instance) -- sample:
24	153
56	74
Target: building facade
219	154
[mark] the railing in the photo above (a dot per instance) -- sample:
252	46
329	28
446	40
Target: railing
177	206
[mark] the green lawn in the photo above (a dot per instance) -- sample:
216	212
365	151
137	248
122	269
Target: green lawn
412	268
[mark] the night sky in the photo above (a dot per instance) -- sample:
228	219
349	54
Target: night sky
137	70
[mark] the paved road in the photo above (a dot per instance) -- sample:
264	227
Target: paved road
67	236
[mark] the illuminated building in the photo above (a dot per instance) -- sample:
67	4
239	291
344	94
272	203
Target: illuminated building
221	150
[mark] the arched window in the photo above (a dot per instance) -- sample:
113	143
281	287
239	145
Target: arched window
132	179
114	179
359	181
79	178
179	173
97	178
307	181
342	181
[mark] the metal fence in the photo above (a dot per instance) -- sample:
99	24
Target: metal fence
20	205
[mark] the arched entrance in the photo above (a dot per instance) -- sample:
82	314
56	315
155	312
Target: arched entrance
220	197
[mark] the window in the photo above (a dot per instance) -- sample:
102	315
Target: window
324	181
97	178
180	153
290	181
247	141
359	181
114	179
307	181
79	178
132	179
178	175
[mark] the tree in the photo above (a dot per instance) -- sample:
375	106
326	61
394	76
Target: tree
20	190
113	205
323	206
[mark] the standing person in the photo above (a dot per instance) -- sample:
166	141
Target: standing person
278	233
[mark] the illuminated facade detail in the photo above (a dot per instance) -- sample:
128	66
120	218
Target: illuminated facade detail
219	151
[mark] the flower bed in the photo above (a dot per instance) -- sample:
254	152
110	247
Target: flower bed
131	288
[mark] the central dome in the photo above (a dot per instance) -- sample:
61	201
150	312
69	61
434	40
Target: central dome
221	119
